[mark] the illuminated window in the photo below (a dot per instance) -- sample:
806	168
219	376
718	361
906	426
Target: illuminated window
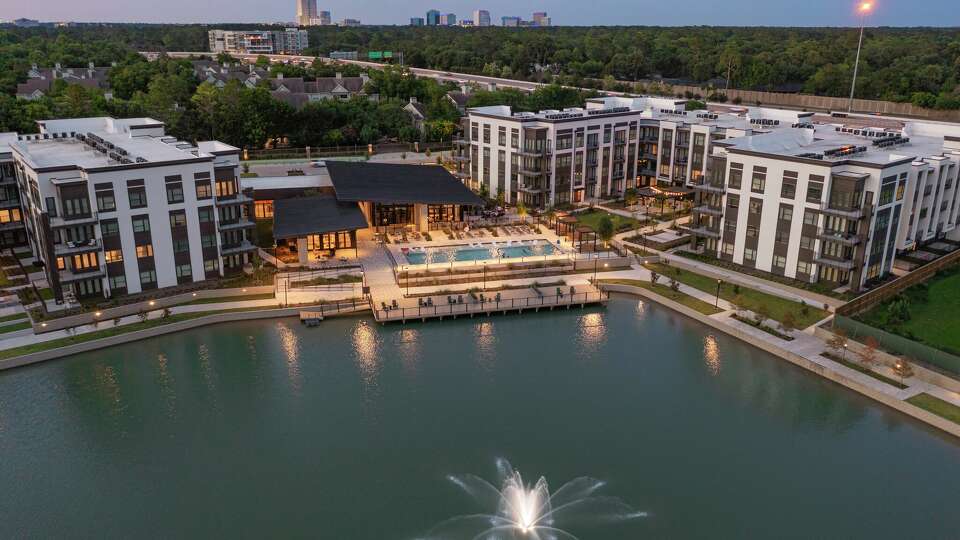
113	255
145	250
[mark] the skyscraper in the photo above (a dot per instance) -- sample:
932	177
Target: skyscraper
433	18
306	11
481	17
450	19
540	18
325	18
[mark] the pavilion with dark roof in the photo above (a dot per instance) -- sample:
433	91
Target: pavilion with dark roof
424	197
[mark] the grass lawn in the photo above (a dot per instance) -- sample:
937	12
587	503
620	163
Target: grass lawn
24	255
667	292
46	294
14	317
6	329
937	406
591	218
216	300
933	313
750	299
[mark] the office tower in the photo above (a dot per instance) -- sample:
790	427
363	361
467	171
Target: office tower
433	18
481	17
306	11
540	19
450	19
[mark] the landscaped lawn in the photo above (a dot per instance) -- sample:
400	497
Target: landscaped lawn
750	299
667	292
591	218
7	328
14	317
937	406
934	313
219	299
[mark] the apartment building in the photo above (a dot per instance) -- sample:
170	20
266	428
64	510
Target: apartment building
288	41
12	231
596	152
827	203
115	207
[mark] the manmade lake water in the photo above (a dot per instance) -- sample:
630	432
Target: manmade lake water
349	431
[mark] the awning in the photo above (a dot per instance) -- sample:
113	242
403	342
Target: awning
302	216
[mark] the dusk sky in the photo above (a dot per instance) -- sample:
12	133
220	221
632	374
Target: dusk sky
568	12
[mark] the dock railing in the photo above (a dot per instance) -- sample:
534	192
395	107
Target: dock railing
473	305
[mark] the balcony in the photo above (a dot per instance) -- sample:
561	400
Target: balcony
76	219
11	225
242	247
845	238
236	198
243	223
530	172
705	231
69	276
533	152
460	141
709	210
834	263
72	248
529	188
709	188
10	203
847	212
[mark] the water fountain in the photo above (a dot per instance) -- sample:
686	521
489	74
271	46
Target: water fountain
521	511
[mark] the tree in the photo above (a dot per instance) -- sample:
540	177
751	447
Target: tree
522	210
630	197
868	356
789	322
838	341
605	229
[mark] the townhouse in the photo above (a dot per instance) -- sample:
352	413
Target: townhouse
117	207
828	203
40	81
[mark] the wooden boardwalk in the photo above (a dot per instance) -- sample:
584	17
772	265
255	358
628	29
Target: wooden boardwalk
439	306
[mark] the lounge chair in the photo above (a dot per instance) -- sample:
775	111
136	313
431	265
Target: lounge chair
395	305
559	292
420	302
459	298
385	306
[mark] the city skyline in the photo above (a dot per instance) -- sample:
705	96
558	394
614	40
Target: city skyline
702	12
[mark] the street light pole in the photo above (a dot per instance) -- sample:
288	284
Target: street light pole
717	304
864	9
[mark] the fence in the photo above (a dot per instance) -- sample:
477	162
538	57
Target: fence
488	305
893	288
319	152
936	359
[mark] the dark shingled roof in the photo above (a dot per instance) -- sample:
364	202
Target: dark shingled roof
302	216
398	184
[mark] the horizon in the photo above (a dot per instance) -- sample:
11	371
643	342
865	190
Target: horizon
734	14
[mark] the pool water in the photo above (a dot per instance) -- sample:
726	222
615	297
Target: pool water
483	252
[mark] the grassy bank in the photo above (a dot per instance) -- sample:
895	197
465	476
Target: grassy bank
751	299
667	292
937	406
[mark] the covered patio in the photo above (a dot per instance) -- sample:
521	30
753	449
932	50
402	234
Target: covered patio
316	229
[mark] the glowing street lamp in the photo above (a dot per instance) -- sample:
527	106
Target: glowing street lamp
863	9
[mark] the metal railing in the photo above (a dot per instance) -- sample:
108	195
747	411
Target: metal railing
337	307
483	304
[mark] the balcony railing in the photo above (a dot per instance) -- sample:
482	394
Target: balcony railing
842	264
844	212
11	225
71	248
460	141
242	223
709	210
76	219
530	172
705	231
236	198
709	188
845	238
71	275
241	247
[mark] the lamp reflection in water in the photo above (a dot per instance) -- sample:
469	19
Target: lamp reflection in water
365	345
485	340
522	511
166	388
290	344
592	331
711	354
409	349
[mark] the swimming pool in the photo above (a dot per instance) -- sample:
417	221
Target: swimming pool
480	252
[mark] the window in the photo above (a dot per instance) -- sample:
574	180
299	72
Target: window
788	190
174	192
486	133
736	175
178	219
9	216
783	236
502	136
181	245
109	228
85	261
815	189
105	199
226	188
779	261
141	224
263	209
751	231
208	240
759	181
886	194
184	271
730	226
728	249
803	268
903	186
148	277
809	217
205	214
749	254
806	242
204	191
52	206
146	250
786	213
210	266
118	282
756	206
136	193
113	255
733	201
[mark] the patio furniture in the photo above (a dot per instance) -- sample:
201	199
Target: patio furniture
498	298
430	301
395	305
459	298
559	292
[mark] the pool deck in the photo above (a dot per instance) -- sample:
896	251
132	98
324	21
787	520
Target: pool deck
397	250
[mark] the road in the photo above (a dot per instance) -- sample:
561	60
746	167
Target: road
459	78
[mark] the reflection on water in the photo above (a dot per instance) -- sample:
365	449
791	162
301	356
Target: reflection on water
290	344
409	350
107	386
166	385
591	332
485	342
711	354
366	346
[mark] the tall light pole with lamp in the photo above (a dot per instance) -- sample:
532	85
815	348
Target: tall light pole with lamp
863	9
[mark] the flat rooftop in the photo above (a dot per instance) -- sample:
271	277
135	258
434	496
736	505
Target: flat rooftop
72	152
398	184
830	144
